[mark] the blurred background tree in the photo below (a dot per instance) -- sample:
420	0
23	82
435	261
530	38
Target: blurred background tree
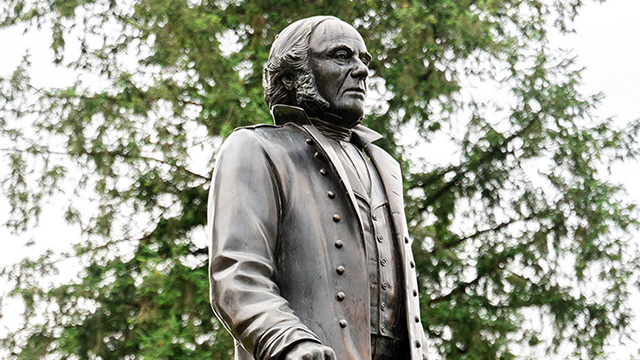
523	246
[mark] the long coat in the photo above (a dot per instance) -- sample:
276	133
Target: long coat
283	219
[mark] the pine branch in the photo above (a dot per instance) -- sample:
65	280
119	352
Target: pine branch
462	169
500	258
114	153
458	290
500	226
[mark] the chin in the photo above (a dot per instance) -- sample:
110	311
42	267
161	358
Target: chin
352	114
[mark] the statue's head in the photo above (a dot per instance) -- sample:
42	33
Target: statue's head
321	65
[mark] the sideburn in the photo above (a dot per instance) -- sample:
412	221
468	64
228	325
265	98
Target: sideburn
307	95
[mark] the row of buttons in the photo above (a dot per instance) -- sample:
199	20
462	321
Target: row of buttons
340	296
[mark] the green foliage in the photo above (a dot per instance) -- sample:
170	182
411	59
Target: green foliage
521	224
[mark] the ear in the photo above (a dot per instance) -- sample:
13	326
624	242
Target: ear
287	81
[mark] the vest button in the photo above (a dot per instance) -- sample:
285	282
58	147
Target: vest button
415	292
385	285
374	217
323	172
380	238
343	323
340	296
331	194
336	217
309	141
418	344
383	262
383	306
406	240
340	270
412	264
417	319
339	244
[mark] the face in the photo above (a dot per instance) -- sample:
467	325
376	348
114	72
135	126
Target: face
339	61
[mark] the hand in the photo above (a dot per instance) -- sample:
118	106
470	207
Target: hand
307	350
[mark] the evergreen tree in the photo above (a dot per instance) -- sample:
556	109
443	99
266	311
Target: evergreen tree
521	223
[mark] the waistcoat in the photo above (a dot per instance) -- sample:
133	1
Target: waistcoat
385	274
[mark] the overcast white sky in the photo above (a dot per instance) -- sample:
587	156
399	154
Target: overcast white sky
606	42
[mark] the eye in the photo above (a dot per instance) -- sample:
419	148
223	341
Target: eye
341	55
365	60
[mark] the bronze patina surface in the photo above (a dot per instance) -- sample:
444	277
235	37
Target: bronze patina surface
310	256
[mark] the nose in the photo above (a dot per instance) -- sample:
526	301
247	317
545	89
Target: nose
361	71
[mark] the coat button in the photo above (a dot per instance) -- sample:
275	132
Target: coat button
383	306
343	323
418	344
340	270
309	141
340	296
323	172
385	285
383	262
339	244
318	156
380	238
374	217
336	217
331	194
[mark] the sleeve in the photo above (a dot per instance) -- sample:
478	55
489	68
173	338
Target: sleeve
243	220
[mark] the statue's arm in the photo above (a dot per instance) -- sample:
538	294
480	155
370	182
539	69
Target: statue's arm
244	210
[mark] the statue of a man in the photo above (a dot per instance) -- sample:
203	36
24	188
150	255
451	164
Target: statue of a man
310	256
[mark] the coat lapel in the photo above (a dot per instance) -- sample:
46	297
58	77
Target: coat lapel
337	164
389	172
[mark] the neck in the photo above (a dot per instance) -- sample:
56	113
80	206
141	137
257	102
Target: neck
332	130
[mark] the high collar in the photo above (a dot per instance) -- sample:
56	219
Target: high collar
332	130
283	114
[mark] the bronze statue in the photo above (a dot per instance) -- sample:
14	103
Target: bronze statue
310	256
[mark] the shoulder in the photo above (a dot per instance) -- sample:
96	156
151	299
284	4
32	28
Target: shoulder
250	133
248	139
246	135
265	132
245	150
256	126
